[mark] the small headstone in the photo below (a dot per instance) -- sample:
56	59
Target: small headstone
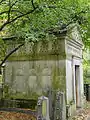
43	108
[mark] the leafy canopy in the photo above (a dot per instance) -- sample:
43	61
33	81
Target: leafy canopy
32	19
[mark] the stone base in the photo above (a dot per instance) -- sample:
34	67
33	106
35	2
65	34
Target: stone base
20	103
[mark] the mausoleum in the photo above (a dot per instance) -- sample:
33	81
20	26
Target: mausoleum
37	68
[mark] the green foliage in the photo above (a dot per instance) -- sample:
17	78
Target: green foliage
86	66
2	49
46	14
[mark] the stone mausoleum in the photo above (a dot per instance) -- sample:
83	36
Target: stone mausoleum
56	64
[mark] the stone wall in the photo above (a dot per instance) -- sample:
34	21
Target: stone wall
36	68
38	50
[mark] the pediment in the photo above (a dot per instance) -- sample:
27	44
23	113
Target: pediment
74	33
74	42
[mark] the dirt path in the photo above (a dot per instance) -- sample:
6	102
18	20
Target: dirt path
15	116
84	114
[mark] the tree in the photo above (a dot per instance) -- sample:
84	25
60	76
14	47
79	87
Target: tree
33	20
86	66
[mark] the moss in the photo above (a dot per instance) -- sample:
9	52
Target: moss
40	56
40	50
6	91
20	95
58	79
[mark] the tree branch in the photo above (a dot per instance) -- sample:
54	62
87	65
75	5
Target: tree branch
3	12
13	10
13	20
9	11
2	1
14	3
33	4
10	7
11	52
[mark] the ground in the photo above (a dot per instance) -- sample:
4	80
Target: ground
15	116
83	114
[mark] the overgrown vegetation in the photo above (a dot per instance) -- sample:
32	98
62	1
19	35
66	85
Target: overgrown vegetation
86	66
35	20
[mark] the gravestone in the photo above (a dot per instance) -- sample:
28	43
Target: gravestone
60	107
43	108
